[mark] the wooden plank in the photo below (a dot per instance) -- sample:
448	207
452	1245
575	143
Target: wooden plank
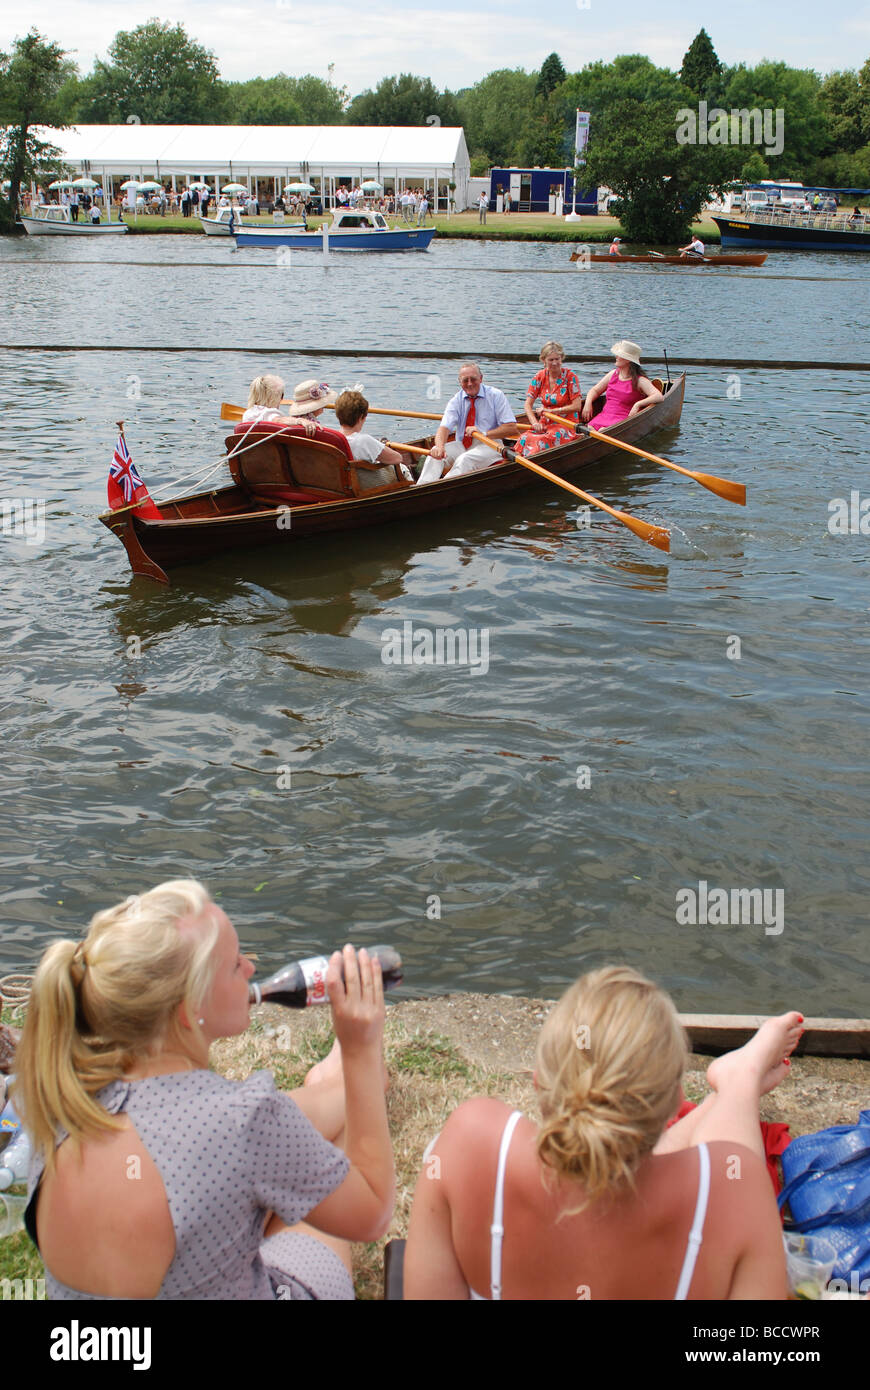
823	1037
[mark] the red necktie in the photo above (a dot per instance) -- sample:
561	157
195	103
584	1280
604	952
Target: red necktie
468	438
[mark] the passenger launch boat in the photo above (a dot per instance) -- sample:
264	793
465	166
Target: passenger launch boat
287	487
51	220
353	229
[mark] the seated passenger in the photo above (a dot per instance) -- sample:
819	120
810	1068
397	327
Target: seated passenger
474	407
264	397
554	388
602	1199
310	399
629	389
352	410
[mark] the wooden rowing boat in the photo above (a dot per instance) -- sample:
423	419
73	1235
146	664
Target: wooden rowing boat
822	1037
750	258
316	491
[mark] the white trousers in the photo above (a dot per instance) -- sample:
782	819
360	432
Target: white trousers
463	461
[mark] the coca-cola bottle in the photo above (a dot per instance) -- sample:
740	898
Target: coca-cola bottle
302	983
16	1160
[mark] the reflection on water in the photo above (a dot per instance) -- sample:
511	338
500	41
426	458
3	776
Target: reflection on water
243	726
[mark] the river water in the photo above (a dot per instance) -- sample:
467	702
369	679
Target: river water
643	724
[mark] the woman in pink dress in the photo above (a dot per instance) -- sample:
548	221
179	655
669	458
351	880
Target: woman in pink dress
629	389
555	388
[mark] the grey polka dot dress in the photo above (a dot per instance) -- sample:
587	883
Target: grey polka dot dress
229	1152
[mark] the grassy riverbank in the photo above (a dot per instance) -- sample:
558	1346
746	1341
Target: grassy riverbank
442	1051
522	226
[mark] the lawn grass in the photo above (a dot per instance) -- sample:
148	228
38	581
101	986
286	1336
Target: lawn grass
519	226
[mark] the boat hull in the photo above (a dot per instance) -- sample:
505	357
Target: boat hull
410	239
205	525
737	231
686	261
37	226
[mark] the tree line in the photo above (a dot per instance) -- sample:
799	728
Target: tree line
157	74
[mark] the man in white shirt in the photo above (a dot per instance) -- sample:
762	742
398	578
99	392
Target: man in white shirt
352	410
483	208
474	407
423	211
694	248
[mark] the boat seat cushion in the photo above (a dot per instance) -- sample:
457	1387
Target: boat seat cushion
293	428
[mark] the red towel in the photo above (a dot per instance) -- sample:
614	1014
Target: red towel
775	1137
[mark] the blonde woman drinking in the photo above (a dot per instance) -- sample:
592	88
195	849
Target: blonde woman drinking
156	1177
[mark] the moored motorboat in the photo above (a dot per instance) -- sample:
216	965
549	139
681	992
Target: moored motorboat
656	259
228	220
353	229
288	488
50	219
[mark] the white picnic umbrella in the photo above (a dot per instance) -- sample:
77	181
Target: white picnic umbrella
234	188
150	186
61	183
131	183
200	187
372	186
299	188
85	183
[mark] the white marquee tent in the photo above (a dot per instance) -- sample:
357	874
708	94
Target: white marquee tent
270	156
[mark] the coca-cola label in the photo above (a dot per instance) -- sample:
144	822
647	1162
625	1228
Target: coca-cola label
314	974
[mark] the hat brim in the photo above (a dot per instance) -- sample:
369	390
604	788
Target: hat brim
309	407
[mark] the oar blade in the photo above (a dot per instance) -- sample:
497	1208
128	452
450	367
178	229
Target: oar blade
658	536
732	492
231	412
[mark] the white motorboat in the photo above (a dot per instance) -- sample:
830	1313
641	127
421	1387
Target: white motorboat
51	220
353	229
228	220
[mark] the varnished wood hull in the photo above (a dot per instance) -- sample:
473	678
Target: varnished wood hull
750	258
204	525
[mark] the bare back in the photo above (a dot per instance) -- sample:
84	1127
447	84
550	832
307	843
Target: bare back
99	1203
628	1247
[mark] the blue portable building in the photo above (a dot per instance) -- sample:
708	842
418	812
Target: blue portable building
530	190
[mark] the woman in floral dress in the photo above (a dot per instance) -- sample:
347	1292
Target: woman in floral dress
554	388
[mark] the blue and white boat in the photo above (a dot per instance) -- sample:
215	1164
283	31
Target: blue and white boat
353	229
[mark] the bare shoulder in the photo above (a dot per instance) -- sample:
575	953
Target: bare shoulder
474	1125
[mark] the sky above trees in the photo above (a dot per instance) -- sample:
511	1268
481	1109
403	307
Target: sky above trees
454	43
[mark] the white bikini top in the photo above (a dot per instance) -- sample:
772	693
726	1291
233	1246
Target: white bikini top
496	1230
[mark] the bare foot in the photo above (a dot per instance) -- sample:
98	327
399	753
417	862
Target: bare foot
329	1069
763	1061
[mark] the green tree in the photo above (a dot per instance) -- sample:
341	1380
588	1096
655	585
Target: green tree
700	64
794	91
158	74
495	114
403	100
662	184
263	101
31	77
552	74
843	101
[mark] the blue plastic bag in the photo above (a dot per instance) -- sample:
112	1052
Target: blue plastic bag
827	1188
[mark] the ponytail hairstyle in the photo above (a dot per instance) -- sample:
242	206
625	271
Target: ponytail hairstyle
610	1060
99	1005
266	391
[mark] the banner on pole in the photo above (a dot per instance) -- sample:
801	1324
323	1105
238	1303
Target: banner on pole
581	137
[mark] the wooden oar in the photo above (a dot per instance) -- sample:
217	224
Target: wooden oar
732	492
235	412
408	448
658	536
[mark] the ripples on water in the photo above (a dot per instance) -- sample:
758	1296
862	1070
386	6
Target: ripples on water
410	782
